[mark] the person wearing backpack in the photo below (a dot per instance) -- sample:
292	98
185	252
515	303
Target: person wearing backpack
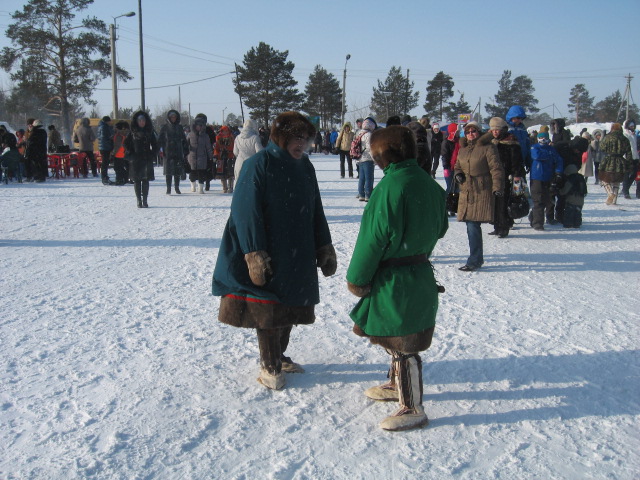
365	182
343	144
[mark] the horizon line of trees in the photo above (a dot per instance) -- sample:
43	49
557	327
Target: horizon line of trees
55	63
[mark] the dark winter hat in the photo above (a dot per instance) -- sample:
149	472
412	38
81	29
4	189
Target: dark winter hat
393	120
203	116
122	125
369	124
51	127
106	119
580	144
289	125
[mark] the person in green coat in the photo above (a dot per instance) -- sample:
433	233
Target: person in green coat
391	272
276	238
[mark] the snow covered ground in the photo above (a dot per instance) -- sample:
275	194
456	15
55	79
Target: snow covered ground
113	364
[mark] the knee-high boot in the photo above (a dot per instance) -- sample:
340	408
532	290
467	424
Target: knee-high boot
271	375
231	180
409	377
224	185
615	190
608	187
137	187
176	181
168	178
145	193
387	391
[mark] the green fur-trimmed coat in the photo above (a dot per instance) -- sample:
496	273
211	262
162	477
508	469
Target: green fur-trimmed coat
405	216
617	157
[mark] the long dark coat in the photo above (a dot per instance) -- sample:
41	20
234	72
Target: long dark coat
174	144
141	147
276	208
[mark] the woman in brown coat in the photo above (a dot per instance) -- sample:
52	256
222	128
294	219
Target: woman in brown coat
481	177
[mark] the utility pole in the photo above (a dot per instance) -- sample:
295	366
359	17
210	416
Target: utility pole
142	102
626	98
406	96
344	82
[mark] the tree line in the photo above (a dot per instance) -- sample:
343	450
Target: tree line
55	64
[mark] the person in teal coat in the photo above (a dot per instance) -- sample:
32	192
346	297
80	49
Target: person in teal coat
391	272
276	238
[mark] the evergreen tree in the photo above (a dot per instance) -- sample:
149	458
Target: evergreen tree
539	119
393	97
581	103
323	97
48	51
266	84
606	110
518	91
454	109
439	91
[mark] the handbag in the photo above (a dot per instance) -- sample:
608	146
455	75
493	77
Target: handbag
518	206
452	202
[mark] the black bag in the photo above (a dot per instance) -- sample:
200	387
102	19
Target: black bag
518	206
452	202
187	167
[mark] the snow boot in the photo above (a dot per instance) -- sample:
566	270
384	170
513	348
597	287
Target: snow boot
137	188
231	180
271	375
385	392
274	381
145	194
225	189
290	366
193	186
409	377
207	185
200	188
176	181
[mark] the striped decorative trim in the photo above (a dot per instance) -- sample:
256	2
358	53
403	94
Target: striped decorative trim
251	299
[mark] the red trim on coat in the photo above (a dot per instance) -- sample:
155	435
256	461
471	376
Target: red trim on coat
251	299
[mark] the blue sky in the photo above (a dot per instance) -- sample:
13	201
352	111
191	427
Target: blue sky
556	43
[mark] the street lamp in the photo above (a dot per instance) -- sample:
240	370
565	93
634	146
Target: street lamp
223	110
344	81
114	78
142	103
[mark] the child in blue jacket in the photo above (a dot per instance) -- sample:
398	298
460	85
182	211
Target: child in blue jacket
546	172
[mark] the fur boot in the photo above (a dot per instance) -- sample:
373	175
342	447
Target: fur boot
145	193
200	188
225	189
176	182
193	186
271	375
387	391
231	181
409	377
137	188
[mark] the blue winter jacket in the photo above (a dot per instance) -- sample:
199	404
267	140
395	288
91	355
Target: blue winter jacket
105	136
520	132
544	162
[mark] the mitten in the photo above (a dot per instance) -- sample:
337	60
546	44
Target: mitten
326	260
259	264
359	290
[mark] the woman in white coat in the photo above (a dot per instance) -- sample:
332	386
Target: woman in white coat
246	145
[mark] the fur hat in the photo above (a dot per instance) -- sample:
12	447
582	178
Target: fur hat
393	120
544	128
106	119
288	125
393	144
37	123
496	123
616	126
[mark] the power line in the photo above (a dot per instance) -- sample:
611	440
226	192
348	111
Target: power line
172	85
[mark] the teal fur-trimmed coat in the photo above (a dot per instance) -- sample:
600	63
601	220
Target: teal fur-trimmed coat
276	208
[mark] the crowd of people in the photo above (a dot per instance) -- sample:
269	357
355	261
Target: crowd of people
202	151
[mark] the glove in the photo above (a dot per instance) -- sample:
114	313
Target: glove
326	260
447	173
359	291
498	193
460	178
259	264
